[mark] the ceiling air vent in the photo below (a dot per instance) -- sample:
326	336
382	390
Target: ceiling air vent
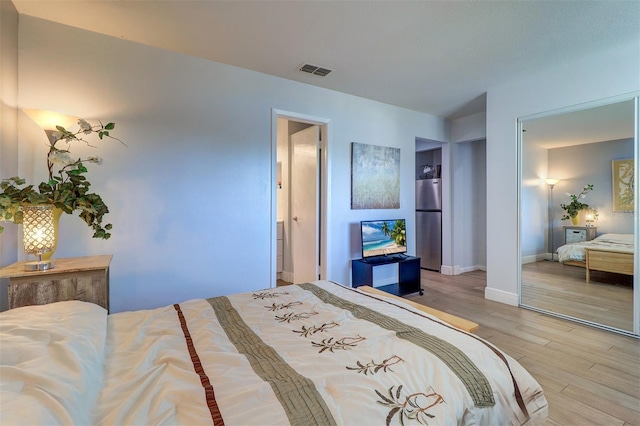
314	69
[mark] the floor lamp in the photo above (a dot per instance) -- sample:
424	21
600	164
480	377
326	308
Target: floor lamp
551	183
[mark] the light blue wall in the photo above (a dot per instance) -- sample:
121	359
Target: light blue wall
190	197
590	164
608	73
534	212
469	206
8	127
577	166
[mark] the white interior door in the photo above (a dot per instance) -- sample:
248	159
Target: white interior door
304	204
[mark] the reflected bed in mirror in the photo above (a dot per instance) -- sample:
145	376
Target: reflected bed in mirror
607	253
581	269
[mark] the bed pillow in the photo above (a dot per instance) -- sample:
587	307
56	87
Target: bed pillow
51	362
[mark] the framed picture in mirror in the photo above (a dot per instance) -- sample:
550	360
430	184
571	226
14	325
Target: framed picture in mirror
623	185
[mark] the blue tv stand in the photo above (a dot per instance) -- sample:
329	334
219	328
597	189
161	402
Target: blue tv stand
408	273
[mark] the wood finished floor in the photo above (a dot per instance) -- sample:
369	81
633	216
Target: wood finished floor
589	376
607	299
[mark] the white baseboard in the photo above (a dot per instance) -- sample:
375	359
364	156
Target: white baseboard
287	276
457	270
446	270
501	296
535	258
463	269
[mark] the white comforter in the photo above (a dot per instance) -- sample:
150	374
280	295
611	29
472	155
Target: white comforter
614	242
313	354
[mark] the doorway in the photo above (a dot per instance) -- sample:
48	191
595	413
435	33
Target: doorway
300	198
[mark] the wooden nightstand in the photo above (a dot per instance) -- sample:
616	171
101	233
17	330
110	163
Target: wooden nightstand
579	234
74	278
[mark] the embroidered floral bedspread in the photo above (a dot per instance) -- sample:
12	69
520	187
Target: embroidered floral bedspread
309	354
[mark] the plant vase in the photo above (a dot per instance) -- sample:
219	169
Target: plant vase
575	219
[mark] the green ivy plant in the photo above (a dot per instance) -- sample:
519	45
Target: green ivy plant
67	187
573	208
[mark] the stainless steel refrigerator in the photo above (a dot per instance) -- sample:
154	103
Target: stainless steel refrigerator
429	223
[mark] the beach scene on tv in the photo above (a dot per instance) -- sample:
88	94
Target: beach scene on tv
383	237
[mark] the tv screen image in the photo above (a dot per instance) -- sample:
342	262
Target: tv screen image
383	237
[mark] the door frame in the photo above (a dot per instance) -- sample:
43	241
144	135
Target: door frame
324	180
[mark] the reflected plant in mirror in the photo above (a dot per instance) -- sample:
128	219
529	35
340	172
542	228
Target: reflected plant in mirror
575	206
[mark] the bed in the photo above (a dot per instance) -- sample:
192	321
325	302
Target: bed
607	253
314	353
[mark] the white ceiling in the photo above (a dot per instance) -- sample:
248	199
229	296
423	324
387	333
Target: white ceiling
602	123
438	57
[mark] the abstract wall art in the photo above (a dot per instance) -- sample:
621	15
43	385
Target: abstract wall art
375	177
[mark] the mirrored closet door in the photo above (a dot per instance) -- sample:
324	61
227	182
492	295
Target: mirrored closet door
578	213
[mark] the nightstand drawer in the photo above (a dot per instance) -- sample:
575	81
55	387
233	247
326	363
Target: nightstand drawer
575	235
578	234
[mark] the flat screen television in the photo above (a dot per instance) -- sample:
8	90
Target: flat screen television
383	237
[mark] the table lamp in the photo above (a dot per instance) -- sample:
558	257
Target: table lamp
592	216
38	235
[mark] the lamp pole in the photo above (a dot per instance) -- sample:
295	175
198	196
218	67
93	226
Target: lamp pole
551	182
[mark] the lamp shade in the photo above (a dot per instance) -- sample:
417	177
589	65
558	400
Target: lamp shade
38	232
551	181
48	120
